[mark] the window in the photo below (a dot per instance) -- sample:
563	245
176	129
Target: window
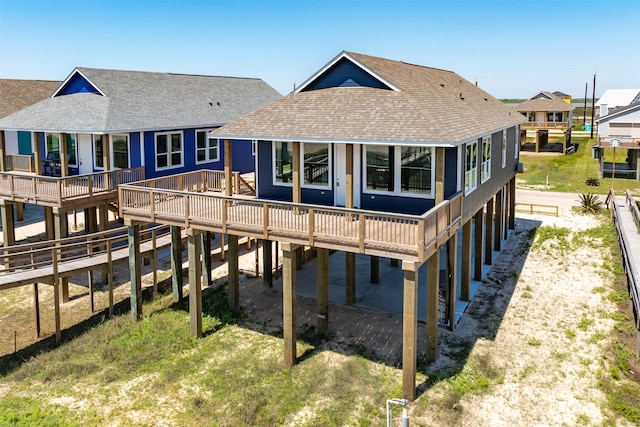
415	166
168	150
516	144
53	147
554	116
98	153
399	169
120	144
486	159
254	147
315	164
283	161
207	148
504	149
471	167
379	160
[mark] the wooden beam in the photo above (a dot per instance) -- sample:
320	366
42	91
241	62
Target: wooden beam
106	152
64	156
488	235
37	156
349	176
194	246
497	235
375	269
512	203
133	234
228	168
206	258
452	280
176	263
267	263
409	330
350	277
36	308
477	243
289	303
49	223
440	165
323	291
465	273
295	173
8	225
3	152
234	274
433	303
61	224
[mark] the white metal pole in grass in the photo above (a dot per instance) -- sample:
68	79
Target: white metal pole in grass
405	411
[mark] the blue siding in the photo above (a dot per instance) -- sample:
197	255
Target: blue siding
450	172
397	204
243	160
345	73
77	84
135	155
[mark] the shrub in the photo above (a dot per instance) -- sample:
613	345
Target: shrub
590	203
592	182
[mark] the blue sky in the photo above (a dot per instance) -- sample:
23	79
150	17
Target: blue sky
513	48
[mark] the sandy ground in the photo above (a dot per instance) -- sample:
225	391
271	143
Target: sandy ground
524	321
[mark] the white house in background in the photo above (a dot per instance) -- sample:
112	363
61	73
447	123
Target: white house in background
616	98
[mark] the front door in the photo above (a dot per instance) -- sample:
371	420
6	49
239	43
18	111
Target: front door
85	153
340	174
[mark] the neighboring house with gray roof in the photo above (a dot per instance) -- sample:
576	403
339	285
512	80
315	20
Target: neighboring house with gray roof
620	128
16	94
546	111
364	148
114	119
613	99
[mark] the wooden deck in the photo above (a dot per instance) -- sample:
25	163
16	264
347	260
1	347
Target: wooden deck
45	262
627	221
73	192
407	237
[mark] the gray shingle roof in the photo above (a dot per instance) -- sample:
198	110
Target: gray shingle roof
17	94
137	101
432	106
543	105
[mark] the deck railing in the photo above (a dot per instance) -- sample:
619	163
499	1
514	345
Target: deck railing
410	237
544	125
36	188
200	181
19	163
627	142
627	249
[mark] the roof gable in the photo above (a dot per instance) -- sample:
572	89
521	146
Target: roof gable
76	83
621	112
344	73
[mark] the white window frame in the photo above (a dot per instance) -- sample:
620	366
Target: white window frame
111	152
330	164
273	164
485	174
516	144
504	148
254	147
208	140
75	153
471	167
169	153
397	175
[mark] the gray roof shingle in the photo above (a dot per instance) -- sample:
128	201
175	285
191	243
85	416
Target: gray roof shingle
432	106
137	101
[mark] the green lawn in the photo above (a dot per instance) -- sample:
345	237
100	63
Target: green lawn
569	173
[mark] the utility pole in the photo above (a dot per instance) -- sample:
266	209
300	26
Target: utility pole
593	104
584	113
